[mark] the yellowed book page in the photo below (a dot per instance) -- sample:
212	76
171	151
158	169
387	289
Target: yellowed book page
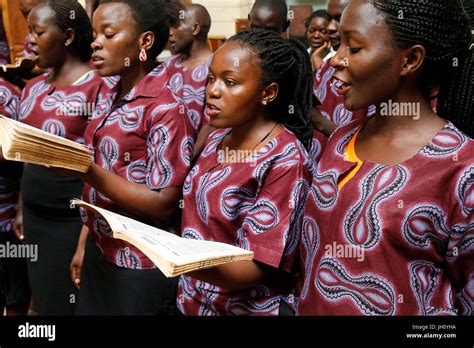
35	132
176	250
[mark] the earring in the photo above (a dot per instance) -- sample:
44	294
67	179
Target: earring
143	56
264	102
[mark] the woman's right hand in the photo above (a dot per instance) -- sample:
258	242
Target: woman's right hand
18	224
76	266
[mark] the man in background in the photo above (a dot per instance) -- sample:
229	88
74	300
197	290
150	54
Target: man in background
270	15
189	67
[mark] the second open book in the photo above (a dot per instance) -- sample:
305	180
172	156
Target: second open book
173	255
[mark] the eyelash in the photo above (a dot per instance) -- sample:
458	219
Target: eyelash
354	50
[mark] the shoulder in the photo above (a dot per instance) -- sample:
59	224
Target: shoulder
285	154
7	89
38	79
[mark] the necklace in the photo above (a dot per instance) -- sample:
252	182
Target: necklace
221	159
264	138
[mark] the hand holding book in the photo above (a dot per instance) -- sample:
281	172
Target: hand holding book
23	143
173	255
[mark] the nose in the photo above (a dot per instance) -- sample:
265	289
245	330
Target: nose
213	90
339	61
96	44
333	26
32	39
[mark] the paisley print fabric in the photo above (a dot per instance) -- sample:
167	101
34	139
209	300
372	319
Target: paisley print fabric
145	139
411	224
63	111
257	205
9	172
190	85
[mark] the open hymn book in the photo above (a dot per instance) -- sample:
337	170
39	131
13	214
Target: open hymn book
23	143
173	255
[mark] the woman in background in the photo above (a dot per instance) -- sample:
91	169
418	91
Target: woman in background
59	102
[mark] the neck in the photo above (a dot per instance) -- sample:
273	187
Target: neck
251	132
69	71
134	75
403	111
198	50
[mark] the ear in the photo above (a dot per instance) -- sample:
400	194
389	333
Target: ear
270	93
70	35
147	39
196	29
412	59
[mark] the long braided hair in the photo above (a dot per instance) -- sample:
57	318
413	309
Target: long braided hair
69	14
442	28
287	63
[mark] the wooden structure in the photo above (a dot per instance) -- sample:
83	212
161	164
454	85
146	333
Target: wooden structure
15	26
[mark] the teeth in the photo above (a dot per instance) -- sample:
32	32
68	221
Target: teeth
339	84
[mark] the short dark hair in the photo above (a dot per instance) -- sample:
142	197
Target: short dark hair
79	22
318	14
279	6
156	16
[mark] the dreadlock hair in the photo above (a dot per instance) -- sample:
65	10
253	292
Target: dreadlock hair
156	16
442	28
287	63
69	14
316	14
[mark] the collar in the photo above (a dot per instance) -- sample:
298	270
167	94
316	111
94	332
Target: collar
151	86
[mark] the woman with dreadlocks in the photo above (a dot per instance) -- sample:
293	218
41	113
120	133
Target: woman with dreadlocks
389	223
249	186
60	102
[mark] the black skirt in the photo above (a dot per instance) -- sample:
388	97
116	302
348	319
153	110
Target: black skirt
50	224
110	290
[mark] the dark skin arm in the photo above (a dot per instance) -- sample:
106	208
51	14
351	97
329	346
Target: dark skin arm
321	123
241	275
138	199
233	276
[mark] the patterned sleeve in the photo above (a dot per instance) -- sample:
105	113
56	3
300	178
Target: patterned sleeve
170	148
271	223
460	254
9	102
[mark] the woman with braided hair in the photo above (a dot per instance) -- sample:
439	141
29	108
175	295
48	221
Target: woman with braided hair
60	102
249	186
389	222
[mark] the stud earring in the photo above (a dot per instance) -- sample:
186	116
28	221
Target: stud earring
143	56
264	102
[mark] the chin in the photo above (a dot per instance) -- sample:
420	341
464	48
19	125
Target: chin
220	123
